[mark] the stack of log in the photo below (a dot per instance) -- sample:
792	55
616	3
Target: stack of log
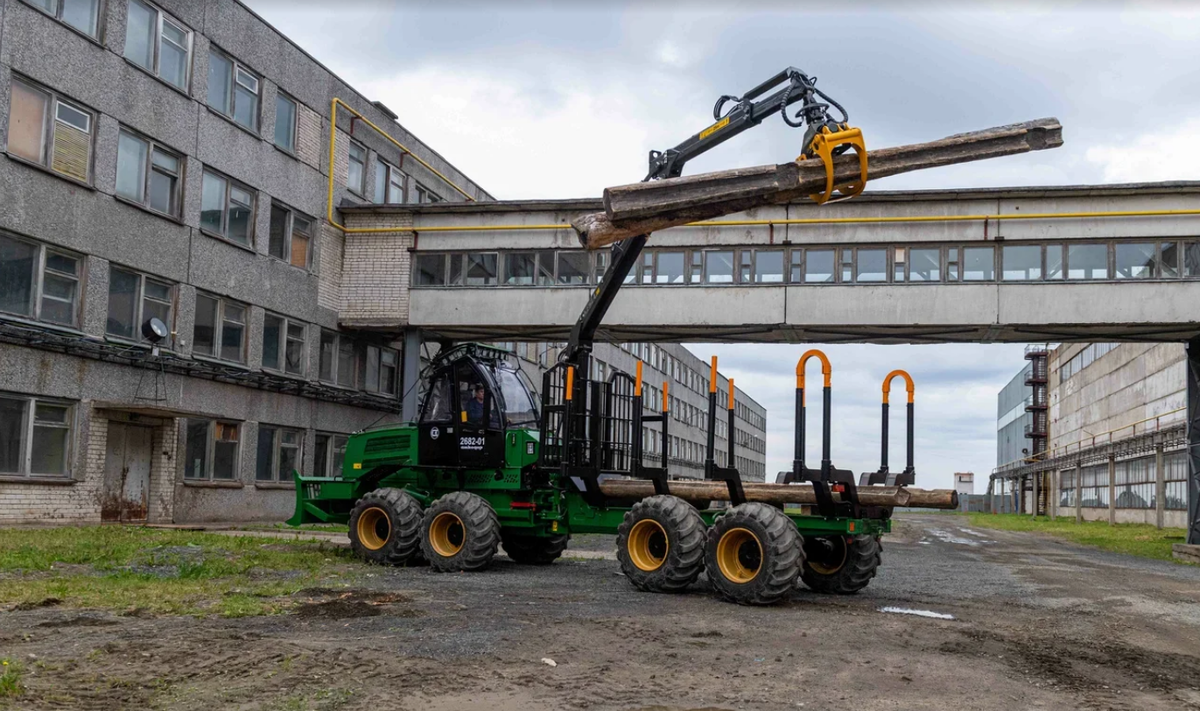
704	491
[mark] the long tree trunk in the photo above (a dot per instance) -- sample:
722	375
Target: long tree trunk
698	490
642	208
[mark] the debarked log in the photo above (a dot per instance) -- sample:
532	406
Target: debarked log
642	208
700	490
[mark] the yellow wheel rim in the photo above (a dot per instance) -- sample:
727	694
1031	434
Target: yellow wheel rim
835	561
739	555
374	528
446	534
647	545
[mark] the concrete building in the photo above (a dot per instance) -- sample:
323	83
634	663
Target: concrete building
1013	420
170	159
964	483
1117	437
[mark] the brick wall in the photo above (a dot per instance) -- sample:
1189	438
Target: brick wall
376	271
76	499
329	273
163	447
310	132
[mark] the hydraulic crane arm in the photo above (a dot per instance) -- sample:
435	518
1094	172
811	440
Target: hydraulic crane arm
824	138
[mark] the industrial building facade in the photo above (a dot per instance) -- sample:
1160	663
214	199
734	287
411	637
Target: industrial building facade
1117	437
170	160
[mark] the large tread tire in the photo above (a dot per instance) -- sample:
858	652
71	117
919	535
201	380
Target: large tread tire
460	532
385	527
533	550
660	544
754	554
843	569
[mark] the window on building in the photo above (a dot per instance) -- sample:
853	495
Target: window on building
599	268
718	267
331	452
285	122
83	15
768	266
430	270
283	345
35	436
670	268
481	269
39	282
978	264
424	194
899	255
45	129
796	266
233	90
1054	261
227	209
158	43
1021	262
357	168
847	263
211	450
872	265
220	329
746	267
338	362
1168	260
279	453
380	370
574	267
135	298
389	183
952	263
291	236
148	174
520	268
1134	260
1087	261
1175	475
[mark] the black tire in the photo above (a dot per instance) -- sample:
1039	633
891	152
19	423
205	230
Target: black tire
460	532
660	544
754	554
385	527
840	567
533	550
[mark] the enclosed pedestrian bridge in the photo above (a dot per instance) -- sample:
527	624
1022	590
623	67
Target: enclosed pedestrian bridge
1114	262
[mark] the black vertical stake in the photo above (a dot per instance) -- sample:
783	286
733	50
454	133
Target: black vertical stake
710	450
826	433
883	456
731	458
1193	439
909	464
666	437
798	438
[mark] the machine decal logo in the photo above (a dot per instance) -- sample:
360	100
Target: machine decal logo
434	433
714	128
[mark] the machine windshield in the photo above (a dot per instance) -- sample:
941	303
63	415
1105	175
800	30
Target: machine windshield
519	403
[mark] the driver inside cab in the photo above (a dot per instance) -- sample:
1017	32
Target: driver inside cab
475	405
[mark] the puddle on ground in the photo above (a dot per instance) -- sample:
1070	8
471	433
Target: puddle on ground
918	613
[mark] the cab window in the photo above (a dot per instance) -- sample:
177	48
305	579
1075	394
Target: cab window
439	403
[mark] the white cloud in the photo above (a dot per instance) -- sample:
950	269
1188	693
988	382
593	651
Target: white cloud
567	133
1173	154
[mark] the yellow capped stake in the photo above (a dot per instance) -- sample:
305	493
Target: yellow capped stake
570	383
730	394
666	403
712	376
826	370
637	388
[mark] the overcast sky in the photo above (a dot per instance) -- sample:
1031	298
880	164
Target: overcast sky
544	100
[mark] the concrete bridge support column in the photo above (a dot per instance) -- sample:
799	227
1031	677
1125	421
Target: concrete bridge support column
1037	486
411	374
1053	494
1160	485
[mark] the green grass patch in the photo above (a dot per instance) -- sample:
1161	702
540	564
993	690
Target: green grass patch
159	571
10	678
1131	538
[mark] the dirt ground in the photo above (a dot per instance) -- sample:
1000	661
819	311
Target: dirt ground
1038	624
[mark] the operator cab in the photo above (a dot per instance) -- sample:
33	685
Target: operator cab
476	393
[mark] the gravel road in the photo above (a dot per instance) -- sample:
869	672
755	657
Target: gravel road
1037	624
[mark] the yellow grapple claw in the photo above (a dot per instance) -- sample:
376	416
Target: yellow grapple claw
823	145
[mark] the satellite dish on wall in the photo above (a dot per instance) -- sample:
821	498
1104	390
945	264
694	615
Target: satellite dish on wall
154	330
